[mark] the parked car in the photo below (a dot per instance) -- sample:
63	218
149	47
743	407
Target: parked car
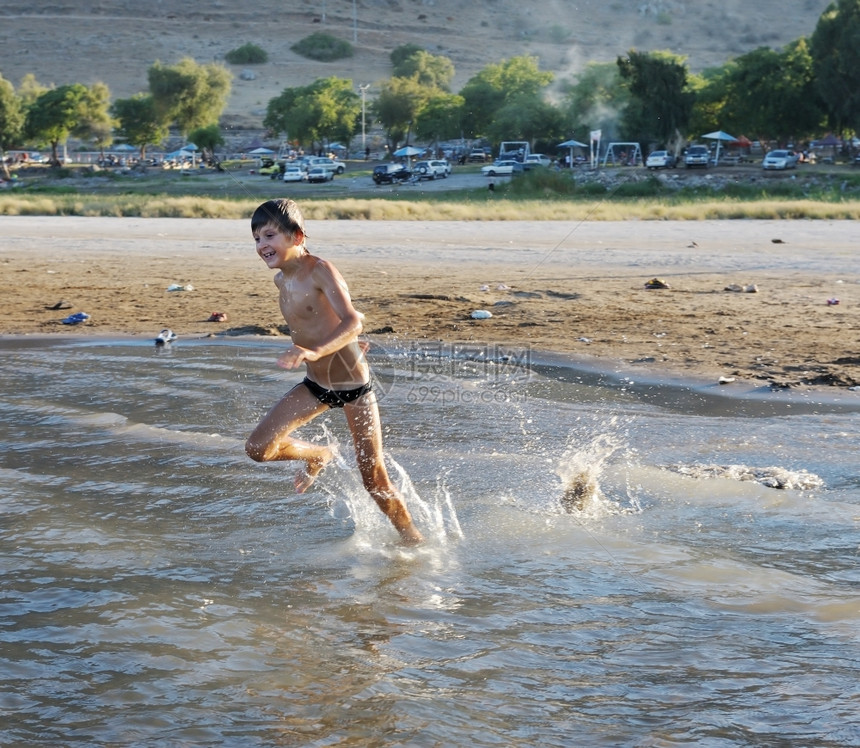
388	173
660	160
697	155
431	169
502	168
779	160
333	165
536	159
294	173
319	174
270	168
478	154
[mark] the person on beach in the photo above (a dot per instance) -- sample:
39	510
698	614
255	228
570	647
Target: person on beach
324	326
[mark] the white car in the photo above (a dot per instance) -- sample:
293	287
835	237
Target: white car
294	173
333	165
660	160
319	174
502	168
432	169
536	159
779	160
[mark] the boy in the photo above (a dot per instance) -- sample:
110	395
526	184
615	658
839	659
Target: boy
324	327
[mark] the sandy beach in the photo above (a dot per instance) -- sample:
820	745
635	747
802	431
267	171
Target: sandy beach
572	288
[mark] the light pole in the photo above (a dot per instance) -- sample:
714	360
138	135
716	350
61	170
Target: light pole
363	90
354	22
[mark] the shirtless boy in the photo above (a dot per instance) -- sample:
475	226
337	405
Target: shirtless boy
324	327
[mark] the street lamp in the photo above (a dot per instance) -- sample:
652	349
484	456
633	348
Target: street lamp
363	90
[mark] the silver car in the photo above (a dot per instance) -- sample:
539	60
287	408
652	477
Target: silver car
779	160
432	169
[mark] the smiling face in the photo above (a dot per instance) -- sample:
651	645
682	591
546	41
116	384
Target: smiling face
276	248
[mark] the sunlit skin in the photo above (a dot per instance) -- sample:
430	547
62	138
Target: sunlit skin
324	327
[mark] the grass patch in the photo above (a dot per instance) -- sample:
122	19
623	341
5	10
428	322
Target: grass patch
538	195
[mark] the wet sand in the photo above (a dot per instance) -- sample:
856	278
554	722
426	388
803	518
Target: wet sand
572	288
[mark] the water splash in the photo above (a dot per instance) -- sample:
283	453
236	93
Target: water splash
348	499
582	465
772	477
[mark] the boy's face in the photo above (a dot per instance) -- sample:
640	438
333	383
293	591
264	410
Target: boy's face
275	247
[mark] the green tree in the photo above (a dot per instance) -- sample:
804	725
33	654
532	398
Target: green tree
439	117
771	93
397	107
527	117
55	114
11	120
403	52
96	124
496	85
835	51
433	71
188	94
139	122
595	101
207	139
660	99
326	110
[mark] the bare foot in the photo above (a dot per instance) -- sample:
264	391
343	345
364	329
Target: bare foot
410	535
308	474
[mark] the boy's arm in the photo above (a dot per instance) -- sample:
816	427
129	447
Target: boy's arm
332	285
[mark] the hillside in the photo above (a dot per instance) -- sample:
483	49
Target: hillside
115	41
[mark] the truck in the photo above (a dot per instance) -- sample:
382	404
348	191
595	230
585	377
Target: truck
513	150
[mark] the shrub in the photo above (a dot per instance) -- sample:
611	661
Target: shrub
323	47
247	54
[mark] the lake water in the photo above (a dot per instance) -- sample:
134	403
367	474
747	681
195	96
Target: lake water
160	589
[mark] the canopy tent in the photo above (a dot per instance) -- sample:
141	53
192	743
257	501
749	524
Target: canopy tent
720	137
407	150
123	148
261	151
571	144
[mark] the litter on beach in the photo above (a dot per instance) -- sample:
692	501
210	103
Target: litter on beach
481	314
178	287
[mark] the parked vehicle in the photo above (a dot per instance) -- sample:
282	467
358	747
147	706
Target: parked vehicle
388	173
502	168
478	154
780	159
514	150
697	155
269	168
319	174
660	160
536	159
294	173
432	169
333	165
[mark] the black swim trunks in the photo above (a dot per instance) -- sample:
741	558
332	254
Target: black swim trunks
336	398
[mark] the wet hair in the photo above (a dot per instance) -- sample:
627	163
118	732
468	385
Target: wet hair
283	213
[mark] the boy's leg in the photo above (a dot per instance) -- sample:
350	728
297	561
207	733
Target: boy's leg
271	439
363	419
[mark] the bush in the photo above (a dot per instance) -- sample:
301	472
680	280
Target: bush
323	47
247	54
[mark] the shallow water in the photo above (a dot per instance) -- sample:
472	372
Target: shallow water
158	588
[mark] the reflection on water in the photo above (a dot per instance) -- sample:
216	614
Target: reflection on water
159	588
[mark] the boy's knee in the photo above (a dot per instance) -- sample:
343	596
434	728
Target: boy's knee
257	452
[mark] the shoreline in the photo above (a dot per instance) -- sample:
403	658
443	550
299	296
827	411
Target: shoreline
572	288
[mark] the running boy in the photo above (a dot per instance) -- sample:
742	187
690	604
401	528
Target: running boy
324	327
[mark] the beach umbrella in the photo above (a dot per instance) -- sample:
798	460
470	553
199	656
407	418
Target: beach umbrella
571	144
407	150
720	137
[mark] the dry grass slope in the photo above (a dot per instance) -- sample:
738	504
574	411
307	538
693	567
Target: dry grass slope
115	42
